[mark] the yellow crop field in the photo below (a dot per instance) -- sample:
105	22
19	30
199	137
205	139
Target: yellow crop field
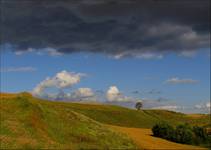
144	139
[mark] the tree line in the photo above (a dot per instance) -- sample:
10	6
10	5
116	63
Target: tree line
183	133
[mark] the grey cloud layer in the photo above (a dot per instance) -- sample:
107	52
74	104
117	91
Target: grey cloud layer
145	29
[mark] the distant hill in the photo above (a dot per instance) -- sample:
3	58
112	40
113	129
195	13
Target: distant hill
122	116
29	122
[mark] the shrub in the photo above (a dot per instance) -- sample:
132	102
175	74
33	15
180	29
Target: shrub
184	134
200	132
156	130
163	130
201	135
181	134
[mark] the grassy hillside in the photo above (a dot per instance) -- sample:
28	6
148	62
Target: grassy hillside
122	116
30	123
175	118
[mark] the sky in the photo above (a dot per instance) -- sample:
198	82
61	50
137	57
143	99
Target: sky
117	52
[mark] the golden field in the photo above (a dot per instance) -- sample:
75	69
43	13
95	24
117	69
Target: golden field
144	139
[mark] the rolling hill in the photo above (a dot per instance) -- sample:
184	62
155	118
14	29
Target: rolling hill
29	122
121	116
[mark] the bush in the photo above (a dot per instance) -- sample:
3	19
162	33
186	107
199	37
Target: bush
181	134
200	132
184	134
163	130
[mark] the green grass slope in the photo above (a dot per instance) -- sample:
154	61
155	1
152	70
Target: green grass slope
27	122
175	118
116	115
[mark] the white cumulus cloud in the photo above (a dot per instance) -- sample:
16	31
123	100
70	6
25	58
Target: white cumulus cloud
113	94
203	106
83	94
61	80
169	107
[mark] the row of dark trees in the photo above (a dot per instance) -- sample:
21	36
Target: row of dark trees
183	133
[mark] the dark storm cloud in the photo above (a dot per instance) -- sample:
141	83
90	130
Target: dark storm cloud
119	28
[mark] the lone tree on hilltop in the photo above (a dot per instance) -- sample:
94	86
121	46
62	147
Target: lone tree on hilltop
139	105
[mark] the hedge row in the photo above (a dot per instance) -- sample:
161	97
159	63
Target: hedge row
181	134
